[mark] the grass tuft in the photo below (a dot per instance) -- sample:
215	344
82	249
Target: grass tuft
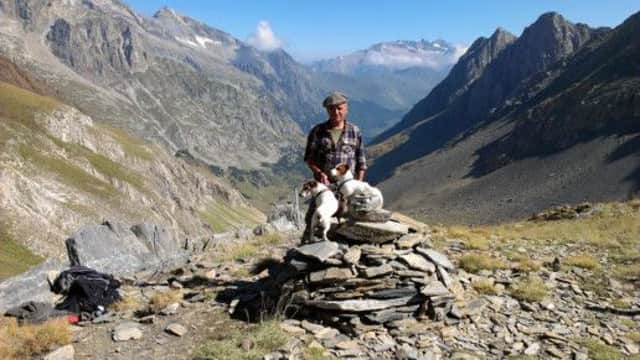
601	351
128	303
238	252
531	289
475	238
28	341
584	261
484	286
163	299
475	262
314	353
527	265
630	272
265	338
634	336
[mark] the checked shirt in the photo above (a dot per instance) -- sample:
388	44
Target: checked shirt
348	150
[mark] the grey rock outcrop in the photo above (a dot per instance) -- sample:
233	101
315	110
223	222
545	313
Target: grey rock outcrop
29	286
117	249
112	248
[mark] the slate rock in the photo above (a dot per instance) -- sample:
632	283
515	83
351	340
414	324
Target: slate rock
171	309
64	353
438	258
410	240
352	256
331	275
374	233
418	262
320	251
443	275
533	349
387	315
394	293
176	329
375	216
435	288
127	331
360	305
371	272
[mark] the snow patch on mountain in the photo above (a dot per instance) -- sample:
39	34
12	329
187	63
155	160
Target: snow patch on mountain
397	55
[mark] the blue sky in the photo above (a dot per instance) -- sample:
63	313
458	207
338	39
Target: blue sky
316	29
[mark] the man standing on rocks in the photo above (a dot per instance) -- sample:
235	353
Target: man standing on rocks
334	142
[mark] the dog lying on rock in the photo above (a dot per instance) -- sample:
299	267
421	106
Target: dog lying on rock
350	188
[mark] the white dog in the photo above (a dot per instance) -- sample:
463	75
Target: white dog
349	187
325	203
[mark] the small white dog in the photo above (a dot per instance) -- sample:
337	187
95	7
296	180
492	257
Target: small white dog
326	206
349	187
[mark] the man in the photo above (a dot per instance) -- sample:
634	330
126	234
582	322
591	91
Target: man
334	142
331	143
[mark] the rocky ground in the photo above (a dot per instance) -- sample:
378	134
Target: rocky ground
519	300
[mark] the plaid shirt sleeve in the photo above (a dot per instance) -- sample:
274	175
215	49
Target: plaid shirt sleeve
311	151
361	161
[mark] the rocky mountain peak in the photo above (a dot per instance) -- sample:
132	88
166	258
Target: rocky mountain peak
553	36
169	14
501	35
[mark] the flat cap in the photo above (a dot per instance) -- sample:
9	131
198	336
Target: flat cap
336	98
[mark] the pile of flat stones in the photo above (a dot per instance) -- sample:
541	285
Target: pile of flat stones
372	273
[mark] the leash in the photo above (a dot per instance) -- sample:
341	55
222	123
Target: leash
318	195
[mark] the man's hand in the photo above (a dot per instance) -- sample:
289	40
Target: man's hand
322	177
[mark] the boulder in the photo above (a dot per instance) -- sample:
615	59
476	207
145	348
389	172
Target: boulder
117	249
29	286
160	242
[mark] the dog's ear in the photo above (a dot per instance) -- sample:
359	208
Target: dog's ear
310	185
343	168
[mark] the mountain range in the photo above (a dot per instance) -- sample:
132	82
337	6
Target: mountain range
520	124
388	78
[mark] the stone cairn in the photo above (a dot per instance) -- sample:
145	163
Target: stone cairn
375	271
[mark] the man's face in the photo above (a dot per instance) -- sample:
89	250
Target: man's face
337	113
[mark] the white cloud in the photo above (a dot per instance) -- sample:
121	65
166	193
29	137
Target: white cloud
264	38
401	56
